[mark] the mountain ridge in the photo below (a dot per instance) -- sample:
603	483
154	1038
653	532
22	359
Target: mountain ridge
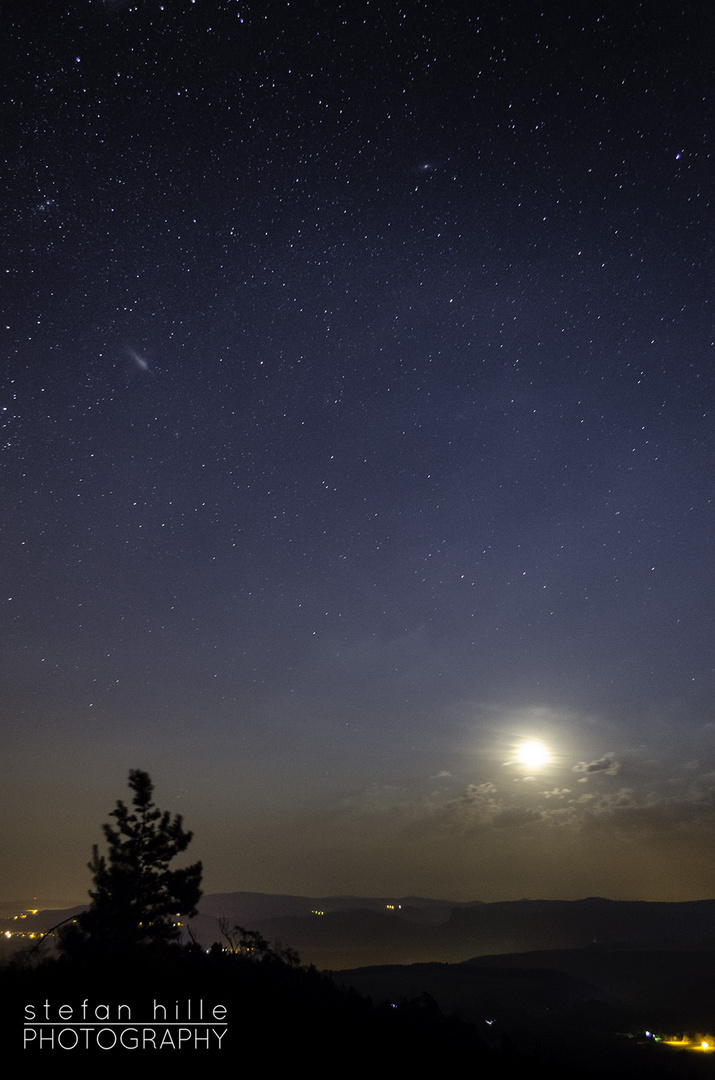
350	931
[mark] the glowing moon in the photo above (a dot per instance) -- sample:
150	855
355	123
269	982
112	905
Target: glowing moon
532	754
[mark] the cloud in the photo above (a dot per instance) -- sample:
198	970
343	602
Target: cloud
477	807
483	789
606	764
423	810
514	816
654	810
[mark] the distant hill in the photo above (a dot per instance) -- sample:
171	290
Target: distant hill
254	905
637	982
348	931
359	931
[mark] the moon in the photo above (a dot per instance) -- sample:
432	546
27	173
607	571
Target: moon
533	754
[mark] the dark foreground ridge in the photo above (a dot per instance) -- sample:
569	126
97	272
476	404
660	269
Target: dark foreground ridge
236	1011
568	1014
603	1011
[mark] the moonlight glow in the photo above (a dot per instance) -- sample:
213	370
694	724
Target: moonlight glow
533	754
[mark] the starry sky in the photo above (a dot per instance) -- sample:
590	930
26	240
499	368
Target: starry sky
357	427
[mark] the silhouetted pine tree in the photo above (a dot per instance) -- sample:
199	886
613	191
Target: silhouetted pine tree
136	899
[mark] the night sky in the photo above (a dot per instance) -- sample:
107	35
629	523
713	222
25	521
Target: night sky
358	427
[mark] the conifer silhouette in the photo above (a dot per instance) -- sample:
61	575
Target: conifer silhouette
137	899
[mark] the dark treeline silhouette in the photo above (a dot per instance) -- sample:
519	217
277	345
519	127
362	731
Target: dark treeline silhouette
276	1012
